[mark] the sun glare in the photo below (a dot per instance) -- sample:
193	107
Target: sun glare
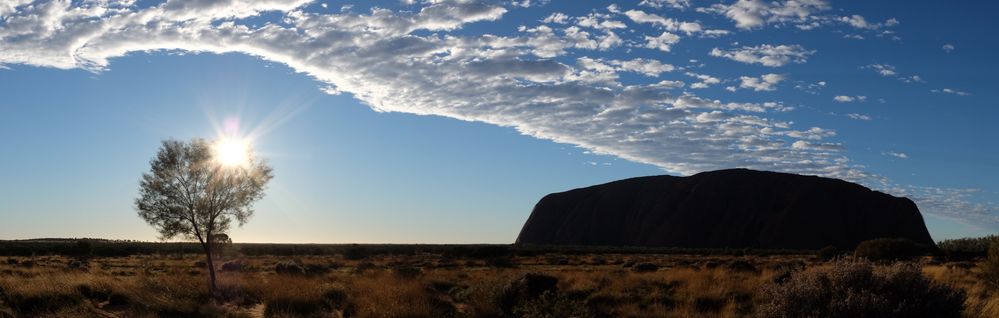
232	152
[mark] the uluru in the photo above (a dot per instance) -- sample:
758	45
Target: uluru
735	208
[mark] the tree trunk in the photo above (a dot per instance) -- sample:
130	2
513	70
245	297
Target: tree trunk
211	270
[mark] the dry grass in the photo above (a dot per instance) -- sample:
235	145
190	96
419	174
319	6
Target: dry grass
415	286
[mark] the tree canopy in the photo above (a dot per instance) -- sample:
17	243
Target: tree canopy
188	192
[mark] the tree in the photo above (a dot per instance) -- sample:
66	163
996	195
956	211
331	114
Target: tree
195	192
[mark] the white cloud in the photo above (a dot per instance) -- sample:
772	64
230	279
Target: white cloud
951	91
858	21
599	21
664	42
858	116
705	81
911	79
899	155
947	48
647	67
849	99
671	25
766	82
814	133
882	69
811	88
659	4
888	70
806	145
557	17
529	3
766	54
750	14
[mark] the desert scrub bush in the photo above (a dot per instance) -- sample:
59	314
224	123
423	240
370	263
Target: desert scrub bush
828	253
289	267
990	267
965	249
889	249
525	290
550	305
644	267
850	288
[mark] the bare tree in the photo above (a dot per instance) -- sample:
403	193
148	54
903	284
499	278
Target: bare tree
190	193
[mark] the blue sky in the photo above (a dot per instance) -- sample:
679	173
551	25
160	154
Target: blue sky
444	122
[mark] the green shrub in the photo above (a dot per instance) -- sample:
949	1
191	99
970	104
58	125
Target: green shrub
860	289
889	249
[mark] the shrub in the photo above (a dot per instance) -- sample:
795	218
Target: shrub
886	249
644	268
528	288
289	267
490	251
966	249
37	303
990	267
335	297
407	271
860	289
501	262
78	265
356	253
233	266
828	252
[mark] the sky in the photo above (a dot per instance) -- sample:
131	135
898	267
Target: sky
446	121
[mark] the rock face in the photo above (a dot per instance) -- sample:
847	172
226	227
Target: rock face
735	208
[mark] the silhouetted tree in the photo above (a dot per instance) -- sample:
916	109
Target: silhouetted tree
190	193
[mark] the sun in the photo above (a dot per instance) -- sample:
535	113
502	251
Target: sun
232	152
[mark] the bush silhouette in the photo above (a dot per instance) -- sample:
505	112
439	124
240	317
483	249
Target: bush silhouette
858	288
889	249
990	267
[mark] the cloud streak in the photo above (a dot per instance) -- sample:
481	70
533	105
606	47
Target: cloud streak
412	62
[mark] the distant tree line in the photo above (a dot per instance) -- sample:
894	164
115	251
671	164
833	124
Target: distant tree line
99	248
111	248
966	248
